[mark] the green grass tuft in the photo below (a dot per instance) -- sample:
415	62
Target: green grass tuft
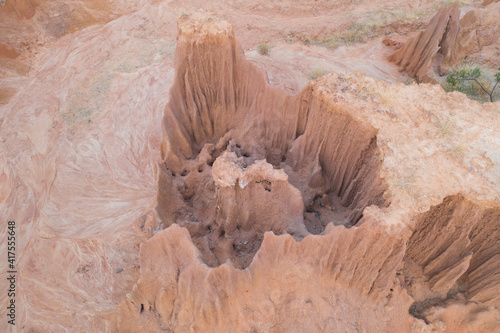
318	72
263	49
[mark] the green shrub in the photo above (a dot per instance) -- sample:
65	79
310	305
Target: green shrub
470	82
264	49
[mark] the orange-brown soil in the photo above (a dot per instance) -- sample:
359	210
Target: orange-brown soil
164	178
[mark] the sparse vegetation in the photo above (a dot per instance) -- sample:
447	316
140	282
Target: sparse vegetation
445	127
370	24
318	72
458	149
263	49
408	81
291	35
373	23
470	81
357	33
363	94
407	184
386	96
378	22
445	3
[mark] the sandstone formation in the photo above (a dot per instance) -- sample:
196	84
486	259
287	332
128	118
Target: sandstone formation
464	237
422	54
279	208
479	37
269	203
448	39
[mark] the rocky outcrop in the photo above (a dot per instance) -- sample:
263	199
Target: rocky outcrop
279	209
422	54
454	245
488	2
289	284
478	38
221	105
452	265
447	40
236	180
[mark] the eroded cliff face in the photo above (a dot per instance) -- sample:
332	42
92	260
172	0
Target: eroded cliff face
240	157
302	213
453	254
448	39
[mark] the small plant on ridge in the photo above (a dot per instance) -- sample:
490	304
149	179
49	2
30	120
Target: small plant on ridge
317	73
264	49
459	80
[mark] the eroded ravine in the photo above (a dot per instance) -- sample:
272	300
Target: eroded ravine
277	215
78	175
242	158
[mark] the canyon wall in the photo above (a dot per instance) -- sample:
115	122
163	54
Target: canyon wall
280	209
